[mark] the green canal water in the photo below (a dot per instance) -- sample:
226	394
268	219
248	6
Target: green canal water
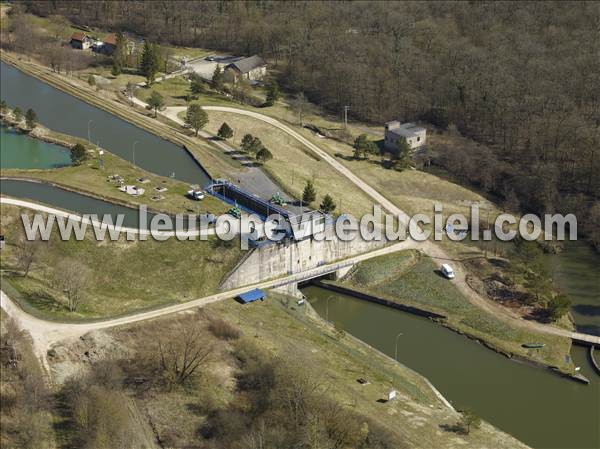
21	151
536	406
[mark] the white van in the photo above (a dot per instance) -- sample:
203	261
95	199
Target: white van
447	271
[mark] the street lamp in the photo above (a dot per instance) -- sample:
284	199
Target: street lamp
134	144
396	351
89	140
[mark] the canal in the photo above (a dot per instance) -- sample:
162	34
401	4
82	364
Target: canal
118	136
67	200
20	151
536	406
540	408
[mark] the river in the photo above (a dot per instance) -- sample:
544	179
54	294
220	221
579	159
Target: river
116	135
536	406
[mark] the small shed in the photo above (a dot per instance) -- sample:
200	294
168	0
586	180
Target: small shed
252	295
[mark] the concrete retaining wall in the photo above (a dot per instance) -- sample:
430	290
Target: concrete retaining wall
290	257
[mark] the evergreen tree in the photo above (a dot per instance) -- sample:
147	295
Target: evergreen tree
309	194
17	114
116	68
196	117
156	102
78	154
225	132
403	159
150	62
3	106
558	306
247	141
31	118
263	155
328	205
363	147
196	85
251	144
272	94
217	79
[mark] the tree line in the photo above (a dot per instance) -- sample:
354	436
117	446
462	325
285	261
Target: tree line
516	77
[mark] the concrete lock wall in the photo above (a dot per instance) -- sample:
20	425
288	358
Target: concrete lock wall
291	257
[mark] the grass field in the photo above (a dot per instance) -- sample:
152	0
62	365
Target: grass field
411	278
293	164
123	276
289	335
89	178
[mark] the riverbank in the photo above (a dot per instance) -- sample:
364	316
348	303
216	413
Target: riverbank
535	405
409	281
209	157
91	178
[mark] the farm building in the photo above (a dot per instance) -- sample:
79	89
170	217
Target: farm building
252	68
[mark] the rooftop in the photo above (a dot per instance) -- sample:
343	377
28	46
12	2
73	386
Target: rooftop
245	65
111	39
404	129
78	36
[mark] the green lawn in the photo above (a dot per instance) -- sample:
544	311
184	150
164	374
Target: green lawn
88	177
123	276
411	278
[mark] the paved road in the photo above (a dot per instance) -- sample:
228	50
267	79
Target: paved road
97	224
428	247
46	333
252	178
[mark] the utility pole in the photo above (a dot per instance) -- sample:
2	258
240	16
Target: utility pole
346	116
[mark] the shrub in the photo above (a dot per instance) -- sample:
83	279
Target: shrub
223	330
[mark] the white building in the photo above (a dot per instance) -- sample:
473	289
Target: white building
394	131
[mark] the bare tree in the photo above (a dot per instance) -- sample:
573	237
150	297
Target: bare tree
72	278
9	340
28	253
183	353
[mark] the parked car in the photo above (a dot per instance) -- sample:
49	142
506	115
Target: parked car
447	271
196	194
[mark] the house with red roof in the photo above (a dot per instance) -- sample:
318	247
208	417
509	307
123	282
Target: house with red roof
81	40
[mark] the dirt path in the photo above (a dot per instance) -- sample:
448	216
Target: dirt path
45	333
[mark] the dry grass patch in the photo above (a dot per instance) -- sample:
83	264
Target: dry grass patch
293	164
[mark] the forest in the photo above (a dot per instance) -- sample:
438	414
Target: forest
520	81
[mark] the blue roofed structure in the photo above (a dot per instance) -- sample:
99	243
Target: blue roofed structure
252	295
